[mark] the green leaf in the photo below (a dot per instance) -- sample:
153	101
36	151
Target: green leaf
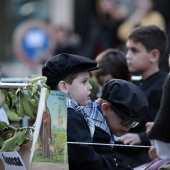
1	141
12	115
3	125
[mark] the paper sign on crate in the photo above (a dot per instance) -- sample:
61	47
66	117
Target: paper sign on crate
51	143
12	160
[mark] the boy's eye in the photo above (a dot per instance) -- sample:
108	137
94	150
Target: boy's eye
134	50
84	81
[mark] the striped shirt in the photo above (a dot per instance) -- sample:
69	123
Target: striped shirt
92	114
92	110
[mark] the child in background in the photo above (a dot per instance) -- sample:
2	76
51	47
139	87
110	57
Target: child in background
145	47
70	74
112	64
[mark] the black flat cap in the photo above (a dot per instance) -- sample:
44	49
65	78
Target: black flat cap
62	65
128	101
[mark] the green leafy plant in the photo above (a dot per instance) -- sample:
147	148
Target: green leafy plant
19	103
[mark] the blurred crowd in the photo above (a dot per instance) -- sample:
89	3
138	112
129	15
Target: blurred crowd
110	22
105	26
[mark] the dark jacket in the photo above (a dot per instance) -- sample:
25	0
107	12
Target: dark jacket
152	87
86	156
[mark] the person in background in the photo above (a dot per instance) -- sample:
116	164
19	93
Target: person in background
158	133
143	15
145	47
112	64
150	124
66	40
70	74
102	28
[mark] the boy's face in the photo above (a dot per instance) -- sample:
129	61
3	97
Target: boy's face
80	88
114	122
138	58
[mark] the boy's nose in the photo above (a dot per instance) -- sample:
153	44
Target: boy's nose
90	86
127	55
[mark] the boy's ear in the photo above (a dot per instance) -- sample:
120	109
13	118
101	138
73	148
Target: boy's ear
105	108
155	55
62	85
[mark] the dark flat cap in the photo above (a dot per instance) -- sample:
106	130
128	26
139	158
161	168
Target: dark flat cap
62	65
128	100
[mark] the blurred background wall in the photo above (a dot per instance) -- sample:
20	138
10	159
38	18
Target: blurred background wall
65	23
13	13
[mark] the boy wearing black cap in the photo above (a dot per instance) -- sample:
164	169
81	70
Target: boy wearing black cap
70	74
119	108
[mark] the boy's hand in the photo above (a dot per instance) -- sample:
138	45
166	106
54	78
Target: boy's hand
130	139
152	153
149	126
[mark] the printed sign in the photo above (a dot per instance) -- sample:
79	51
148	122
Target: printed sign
12	160
51	144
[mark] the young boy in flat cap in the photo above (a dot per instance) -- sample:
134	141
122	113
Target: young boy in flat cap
124	101
70	74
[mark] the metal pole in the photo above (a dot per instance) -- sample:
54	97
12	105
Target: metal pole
12	85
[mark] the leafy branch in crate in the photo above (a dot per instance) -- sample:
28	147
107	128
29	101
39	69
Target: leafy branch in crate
12	138
20	102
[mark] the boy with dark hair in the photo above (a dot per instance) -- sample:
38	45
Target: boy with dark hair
70	74
145	47
112	64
